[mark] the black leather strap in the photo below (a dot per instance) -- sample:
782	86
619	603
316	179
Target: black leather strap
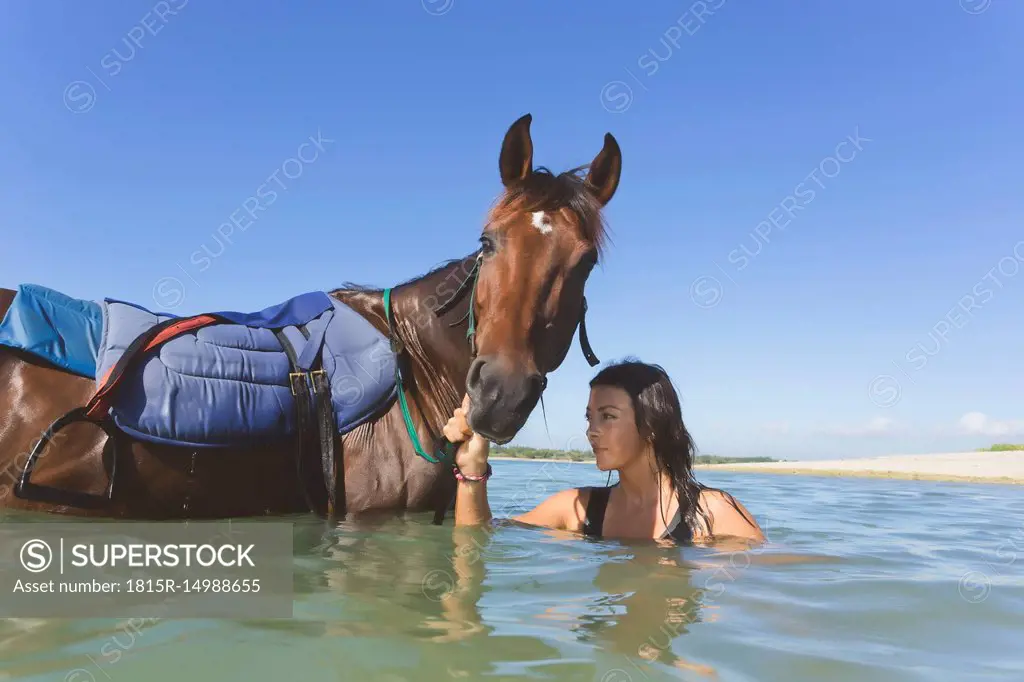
463	287
300	389
588	352
304	418
446	500
334	476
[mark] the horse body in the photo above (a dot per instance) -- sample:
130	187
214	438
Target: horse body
531	287
381	470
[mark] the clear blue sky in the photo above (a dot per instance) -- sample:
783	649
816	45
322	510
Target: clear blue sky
130	134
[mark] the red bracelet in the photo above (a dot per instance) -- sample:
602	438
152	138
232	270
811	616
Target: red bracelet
467	477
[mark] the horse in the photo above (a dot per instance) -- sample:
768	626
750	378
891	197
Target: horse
542	237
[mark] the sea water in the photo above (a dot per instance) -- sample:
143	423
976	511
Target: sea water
862	579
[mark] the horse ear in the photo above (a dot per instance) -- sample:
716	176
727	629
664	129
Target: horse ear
603	176
516	160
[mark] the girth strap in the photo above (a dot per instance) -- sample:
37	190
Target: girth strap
334	475
313	412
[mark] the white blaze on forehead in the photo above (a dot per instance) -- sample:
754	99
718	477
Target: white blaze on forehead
541	221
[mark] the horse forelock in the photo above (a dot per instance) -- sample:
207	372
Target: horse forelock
542	190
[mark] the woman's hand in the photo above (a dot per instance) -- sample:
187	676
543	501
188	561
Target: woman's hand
471	457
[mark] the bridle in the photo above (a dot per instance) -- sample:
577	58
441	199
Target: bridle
447	449
474	277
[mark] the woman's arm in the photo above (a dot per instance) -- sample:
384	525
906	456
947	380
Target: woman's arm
562	510
473	508
471	505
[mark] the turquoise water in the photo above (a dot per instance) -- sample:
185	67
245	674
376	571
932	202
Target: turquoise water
863	579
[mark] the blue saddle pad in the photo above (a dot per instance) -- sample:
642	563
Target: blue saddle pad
226	384
64	331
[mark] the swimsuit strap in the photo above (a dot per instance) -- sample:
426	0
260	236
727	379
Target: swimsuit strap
677	530
596	505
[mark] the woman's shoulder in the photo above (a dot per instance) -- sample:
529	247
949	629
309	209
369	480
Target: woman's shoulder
726	515
564	510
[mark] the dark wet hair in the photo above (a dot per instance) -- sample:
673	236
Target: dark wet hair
659	418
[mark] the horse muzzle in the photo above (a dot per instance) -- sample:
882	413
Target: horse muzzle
502	397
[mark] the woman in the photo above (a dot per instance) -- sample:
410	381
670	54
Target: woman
636	428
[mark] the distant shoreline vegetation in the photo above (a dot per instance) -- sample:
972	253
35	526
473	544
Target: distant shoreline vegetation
520	452
1001	447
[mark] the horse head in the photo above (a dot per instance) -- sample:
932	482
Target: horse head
540	242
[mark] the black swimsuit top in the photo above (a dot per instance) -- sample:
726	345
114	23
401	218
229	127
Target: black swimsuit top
597	503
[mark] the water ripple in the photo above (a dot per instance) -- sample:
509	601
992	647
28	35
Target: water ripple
863	579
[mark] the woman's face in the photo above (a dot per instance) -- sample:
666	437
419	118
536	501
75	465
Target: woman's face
612	428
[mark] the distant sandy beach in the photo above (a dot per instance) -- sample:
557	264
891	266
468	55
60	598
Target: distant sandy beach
974	467
527	459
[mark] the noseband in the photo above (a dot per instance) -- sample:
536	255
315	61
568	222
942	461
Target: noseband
398	346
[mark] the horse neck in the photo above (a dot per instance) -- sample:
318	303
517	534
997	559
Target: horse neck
438	352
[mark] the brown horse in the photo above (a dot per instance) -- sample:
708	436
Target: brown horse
542	238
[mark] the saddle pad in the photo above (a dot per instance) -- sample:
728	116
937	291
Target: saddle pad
64	331
228	384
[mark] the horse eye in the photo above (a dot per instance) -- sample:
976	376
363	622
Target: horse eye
488	245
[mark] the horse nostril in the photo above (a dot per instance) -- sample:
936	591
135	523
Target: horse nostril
473	377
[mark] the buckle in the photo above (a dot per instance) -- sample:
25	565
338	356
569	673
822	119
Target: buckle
397	346
291	379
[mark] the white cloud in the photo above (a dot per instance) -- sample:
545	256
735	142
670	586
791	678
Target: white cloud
978	424
877	426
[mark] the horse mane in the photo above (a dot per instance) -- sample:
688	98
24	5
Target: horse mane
372	289
542	190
